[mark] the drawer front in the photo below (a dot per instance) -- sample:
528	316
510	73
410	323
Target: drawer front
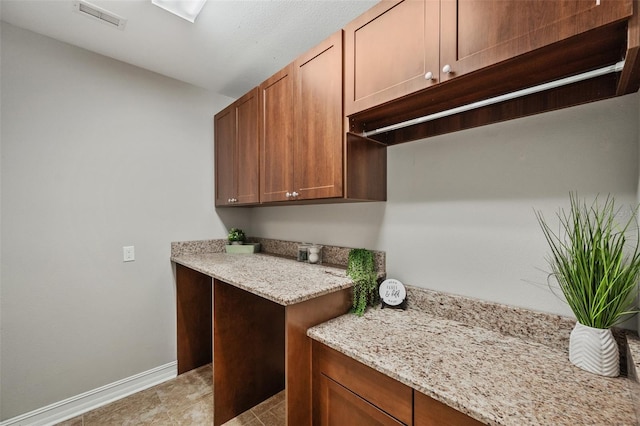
389	395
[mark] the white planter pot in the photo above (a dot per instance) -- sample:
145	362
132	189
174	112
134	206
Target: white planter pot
594	350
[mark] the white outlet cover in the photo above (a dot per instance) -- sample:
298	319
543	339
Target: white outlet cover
128	254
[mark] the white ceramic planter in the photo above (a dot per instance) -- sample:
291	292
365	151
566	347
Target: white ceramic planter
594	350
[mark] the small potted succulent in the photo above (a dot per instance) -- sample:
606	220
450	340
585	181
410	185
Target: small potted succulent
236	236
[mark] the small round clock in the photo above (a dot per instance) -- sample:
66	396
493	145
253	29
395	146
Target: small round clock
392	293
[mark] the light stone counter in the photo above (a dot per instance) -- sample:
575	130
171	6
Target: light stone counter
280	280
496	378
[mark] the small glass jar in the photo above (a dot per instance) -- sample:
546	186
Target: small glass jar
303	252
315	254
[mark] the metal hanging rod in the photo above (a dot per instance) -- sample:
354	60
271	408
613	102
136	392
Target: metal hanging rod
506	97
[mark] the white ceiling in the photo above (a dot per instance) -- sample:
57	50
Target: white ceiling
233	46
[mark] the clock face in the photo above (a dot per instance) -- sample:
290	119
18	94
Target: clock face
392	292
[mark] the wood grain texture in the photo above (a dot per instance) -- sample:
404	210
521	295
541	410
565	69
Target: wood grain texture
388	51
225	155
247	164
429	412
380	390
318	132
630	77
248	347
193	307
276	136
579	93
237	152
339	406
366	169
477	34
299	318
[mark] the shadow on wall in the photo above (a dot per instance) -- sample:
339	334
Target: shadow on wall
545	156
235	217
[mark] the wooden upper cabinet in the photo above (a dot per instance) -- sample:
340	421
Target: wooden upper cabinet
389	51
237	152
318	134
301	127
479	33
225	148
276	136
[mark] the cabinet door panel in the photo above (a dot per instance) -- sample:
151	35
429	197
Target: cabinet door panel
389	49
339	406
224	125
276	136
247	149
479	33
429	412
318	141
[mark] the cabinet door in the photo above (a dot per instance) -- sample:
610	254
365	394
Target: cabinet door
318	141
224	127
429	412
479	33
339	406
389	50
247	149
276	136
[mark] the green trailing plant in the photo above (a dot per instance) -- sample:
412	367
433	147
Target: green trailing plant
236	234
595	265
361	268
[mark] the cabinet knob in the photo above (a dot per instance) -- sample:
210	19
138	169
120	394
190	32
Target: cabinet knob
294	194
234	200
288	195
428	76
229	200
446	69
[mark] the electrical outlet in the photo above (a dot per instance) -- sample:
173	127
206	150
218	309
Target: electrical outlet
128	254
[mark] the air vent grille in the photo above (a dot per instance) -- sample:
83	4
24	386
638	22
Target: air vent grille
95	12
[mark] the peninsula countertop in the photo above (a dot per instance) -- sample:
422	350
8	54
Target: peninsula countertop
493	377
281	280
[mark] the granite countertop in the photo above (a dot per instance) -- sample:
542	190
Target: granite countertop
491	376
280	280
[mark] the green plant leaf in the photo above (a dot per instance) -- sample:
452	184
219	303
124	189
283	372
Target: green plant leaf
361	268
596	266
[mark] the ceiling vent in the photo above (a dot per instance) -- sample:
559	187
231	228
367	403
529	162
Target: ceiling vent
97	13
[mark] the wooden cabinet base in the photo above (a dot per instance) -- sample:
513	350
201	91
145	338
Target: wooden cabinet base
259	347
248	347
193	309
429	412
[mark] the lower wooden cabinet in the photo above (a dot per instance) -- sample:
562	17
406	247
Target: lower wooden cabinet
429	412
347	392
340	406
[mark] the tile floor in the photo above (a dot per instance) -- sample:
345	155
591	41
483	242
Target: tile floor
186	400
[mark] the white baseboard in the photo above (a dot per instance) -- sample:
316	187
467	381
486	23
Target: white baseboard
87	401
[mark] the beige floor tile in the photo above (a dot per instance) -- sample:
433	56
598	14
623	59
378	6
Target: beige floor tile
183	391
142	408
206	374
199	413
267	405
272	419
245	419
76	421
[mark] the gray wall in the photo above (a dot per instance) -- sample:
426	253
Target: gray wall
460	211
96	155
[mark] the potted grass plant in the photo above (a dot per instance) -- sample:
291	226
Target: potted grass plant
597	267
